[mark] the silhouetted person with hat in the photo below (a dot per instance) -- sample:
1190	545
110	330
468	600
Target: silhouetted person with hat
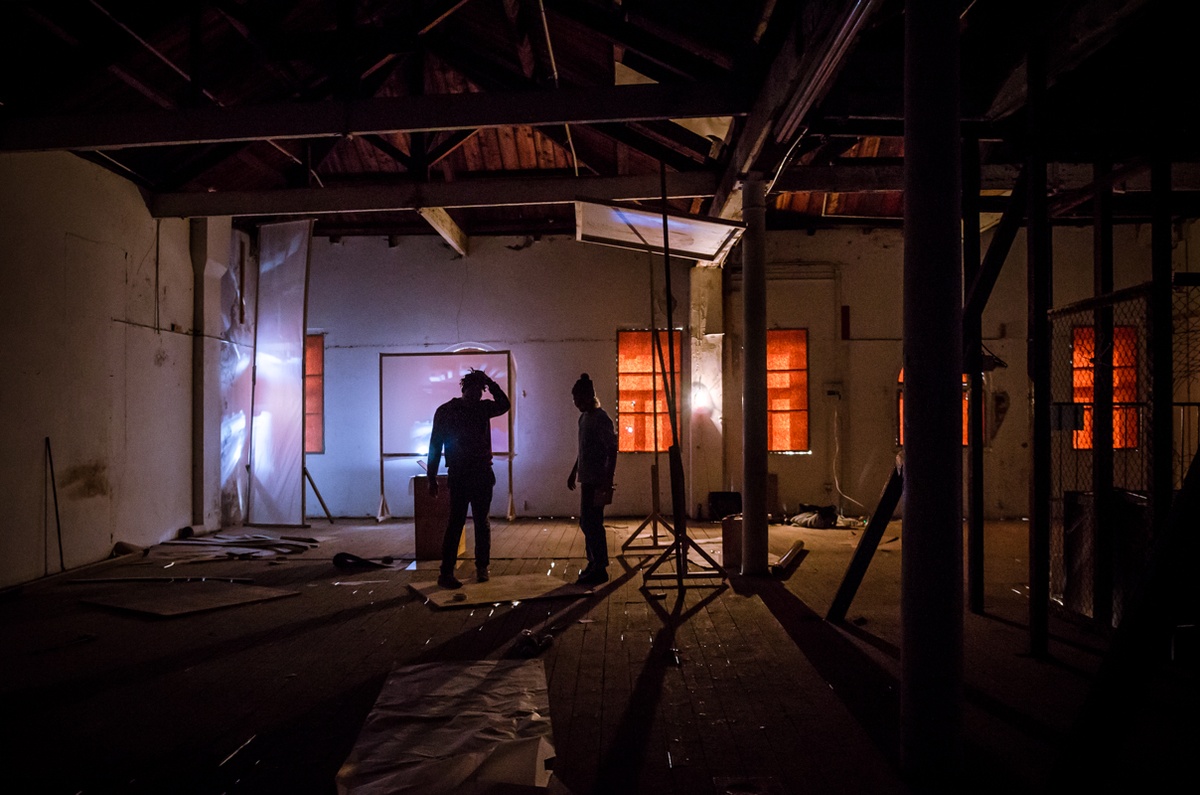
462	426
594	468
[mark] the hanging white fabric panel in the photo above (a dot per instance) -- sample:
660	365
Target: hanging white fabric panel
277	433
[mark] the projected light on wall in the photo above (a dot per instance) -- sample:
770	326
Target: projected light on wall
413	385
689	236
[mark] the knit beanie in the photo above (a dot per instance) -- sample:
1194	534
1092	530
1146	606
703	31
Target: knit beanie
584	388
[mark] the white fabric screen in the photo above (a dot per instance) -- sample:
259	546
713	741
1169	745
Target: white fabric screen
413	385
277	436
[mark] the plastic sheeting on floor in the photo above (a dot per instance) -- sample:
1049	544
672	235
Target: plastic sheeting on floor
454	727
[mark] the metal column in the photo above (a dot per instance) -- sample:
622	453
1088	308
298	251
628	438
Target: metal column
754	379
1102	411
973	367
931	586
1161	336
1039	241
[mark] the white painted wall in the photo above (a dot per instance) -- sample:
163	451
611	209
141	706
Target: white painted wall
95	309
556	304
853	435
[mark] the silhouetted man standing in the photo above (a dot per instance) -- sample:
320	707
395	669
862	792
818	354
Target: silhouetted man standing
462	426
594	468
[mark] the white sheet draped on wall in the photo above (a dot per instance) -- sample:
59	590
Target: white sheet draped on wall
239	291
277	433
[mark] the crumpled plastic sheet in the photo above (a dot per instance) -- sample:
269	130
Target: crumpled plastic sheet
454	727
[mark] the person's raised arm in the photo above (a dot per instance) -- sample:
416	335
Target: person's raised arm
500	401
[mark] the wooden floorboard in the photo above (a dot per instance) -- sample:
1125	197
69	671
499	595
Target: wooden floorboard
652	689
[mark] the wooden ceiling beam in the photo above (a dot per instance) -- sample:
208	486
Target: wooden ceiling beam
669	58
1079	34
452	141
444	225
415	196
373	115
519	31
800	74
391	150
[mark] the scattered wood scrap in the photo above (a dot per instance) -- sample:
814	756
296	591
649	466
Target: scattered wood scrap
245	546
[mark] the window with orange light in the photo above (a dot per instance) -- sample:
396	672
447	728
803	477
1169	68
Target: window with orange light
314	393
641	399
1124	385
787	390
966	392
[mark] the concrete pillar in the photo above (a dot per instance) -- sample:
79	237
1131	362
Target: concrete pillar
209	248
931	601
706	461
754	378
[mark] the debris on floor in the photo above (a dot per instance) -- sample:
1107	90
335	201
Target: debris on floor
221	546
449	727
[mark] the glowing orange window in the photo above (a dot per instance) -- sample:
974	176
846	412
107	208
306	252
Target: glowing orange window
965	406
641	399
314	393
1124	383
787	390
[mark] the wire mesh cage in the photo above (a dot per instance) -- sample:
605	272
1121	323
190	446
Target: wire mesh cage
1102	441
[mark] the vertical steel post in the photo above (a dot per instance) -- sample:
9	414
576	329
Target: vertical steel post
1161	338
1102	400
931	587
754	379
973	367
1039	242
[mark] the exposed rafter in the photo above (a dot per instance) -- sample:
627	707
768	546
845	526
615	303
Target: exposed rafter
415	196
376	115
444	225
799	75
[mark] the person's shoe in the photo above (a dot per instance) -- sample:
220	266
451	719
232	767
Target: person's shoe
448	581
595	577
481	574
584	574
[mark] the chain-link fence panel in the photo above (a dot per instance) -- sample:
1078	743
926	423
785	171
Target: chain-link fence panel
1186	365
1102	445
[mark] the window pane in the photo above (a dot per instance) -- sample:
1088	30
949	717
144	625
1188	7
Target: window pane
787	390
1124	384
314	393
1125	427
641	398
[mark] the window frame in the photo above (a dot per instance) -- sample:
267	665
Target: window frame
624	431
1126	432
311	345
774	415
